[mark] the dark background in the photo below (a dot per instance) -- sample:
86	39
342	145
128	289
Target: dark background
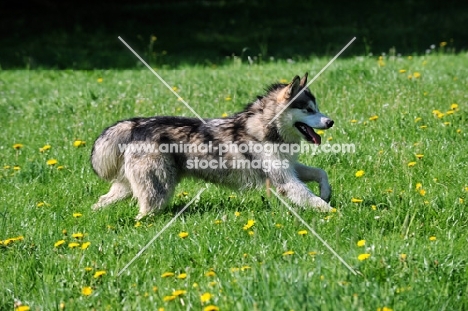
83	34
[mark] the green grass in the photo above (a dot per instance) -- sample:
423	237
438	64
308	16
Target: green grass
59	107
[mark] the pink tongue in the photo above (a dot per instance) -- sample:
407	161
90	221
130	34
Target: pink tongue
316	137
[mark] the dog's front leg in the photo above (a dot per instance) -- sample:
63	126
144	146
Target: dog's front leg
298	192
306	174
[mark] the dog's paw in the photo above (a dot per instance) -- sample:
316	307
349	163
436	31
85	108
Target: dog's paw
96	206
321	205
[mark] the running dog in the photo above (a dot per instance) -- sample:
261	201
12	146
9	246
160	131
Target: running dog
147	157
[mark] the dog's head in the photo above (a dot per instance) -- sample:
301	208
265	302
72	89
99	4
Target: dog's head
297	112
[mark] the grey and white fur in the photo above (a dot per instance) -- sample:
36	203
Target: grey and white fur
151	177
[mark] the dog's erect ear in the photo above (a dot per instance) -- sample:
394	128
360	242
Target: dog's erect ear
293	87
304	80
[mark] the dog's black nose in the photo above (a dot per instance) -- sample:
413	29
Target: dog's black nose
329	123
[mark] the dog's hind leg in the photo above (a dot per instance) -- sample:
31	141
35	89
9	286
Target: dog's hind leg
118	191
152	179
306	173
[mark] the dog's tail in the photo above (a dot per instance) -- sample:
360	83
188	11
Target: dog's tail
107	156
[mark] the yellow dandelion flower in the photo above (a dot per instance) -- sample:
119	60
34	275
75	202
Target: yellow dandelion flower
59	242
302	232
417	119
211	308
312	253
183	235
251	233
384	309
210	273
213	283
137	224
287	253
167	274
416	75
278	225
79	143
98	274
179	292
60	167
410	77
442	44
237	214
155	288
363	257
411	164
40	204
461	201
283	81
87	269
374	207
18	146
355	200
86	291
44	148
373	118
432	238
403	256
205	297
250	224
224	115
418	186
320	132
227	98
218	221
85	245
169	298
454	106
402	70
359	173
422	192
195	285
22	308
78	235
419	156
175	89
51	162
446	123
423	127
99	80
73	244
182	276
361	243
353	121
459	131
77	215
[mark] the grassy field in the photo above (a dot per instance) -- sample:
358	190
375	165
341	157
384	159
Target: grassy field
402	224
